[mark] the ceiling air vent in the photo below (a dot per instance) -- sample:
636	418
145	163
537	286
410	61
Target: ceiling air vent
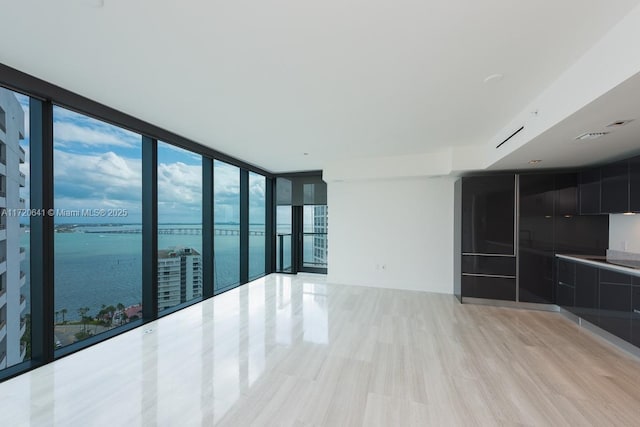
591	135
619	123
510	136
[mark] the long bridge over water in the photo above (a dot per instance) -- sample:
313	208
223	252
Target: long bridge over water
179	231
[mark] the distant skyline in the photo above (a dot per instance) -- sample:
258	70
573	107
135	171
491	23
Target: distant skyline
98	166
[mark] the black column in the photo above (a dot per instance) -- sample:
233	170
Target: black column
149	229
244	226
207	228
41	236
296	238
270	227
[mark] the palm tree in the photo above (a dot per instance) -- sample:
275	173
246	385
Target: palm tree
63	311
120	307
83	316
57	313
111	310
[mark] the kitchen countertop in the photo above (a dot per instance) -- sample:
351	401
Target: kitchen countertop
631	267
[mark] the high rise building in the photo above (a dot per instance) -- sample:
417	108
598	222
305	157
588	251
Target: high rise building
320	228
12	277
179	276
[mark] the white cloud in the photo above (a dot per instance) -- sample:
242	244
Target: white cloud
67	132
179	183
98	182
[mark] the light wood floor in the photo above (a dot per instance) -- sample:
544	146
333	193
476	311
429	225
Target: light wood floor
295	351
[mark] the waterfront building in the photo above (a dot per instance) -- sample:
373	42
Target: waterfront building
179	276
12	276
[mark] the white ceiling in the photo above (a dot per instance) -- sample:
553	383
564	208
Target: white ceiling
558	147
267	81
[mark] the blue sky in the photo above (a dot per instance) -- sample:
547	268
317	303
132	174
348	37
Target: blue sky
98	166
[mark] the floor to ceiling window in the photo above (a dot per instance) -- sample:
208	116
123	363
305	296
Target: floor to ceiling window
98	240
257	224
90	185
226	213
15	316
179	226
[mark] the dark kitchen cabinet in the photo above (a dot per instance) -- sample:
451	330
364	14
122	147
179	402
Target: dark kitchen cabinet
614	188
566	285
573	233
498	288
589	191
615	308
634	184
536	228
635	316
586	284
488	214
493	265
488	237
566	195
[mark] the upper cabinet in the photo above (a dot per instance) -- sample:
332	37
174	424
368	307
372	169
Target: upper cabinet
488	214
566	195
615	188
634	184
610	189
589	191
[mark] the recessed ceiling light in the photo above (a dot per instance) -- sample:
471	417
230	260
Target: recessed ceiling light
534	162
590	135
619	123
493	78
629	213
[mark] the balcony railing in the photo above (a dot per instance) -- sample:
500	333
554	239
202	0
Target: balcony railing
22	250
3	355
2	292
3	194
3	161
2	259
22	175
2	226
22	274
22	299
2	323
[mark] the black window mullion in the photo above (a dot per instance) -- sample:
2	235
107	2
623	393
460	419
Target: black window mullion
207	228
244	226
269	231
42	231
149	229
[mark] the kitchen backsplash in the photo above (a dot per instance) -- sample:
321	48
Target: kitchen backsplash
624	233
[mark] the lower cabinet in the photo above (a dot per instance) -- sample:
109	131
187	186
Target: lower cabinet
587	304
635	316
615	303
566	286
605	298
499	288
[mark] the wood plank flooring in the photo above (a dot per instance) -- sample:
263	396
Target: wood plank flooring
296	351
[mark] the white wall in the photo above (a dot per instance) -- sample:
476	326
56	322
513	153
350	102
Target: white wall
624	230
393	233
